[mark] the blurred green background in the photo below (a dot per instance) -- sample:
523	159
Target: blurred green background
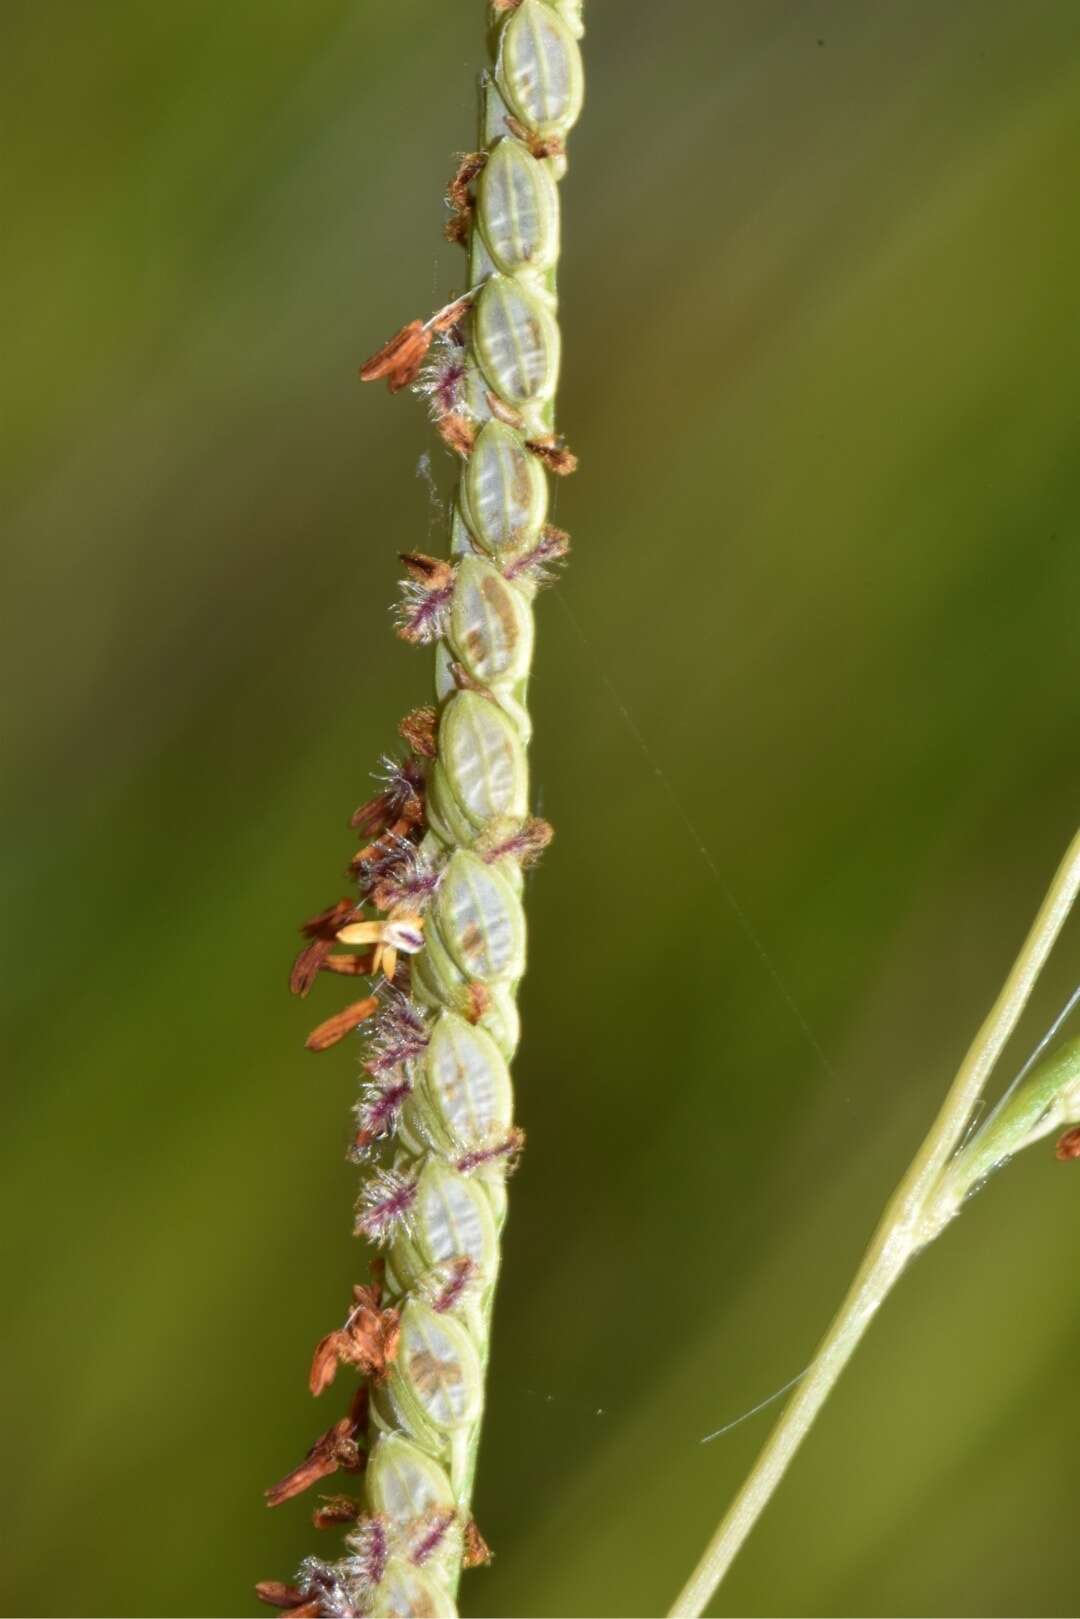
822	353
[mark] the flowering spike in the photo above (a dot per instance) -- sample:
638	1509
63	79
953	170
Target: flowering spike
446	838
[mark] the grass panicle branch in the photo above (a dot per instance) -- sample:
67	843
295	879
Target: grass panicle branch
931	1193
438	923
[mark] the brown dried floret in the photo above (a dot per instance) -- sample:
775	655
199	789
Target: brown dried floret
335	1028
477	1552
334	1510
457	433
459	198
418	729
321	932
399	361
1069	1145
368	1341
276	1594
337	1448
554	454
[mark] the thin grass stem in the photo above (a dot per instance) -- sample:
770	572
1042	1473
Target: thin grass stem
912	1217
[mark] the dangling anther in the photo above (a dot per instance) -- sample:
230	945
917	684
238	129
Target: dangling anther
554	454
418	729
459	198
398	362
1068	1147
402	933
457	433
335	1029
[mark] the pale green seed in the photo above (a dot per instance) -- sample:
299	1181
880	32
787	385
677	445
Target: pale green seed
483	759
451	1220
504	491
518	209
491	624
480	920
539	70
464	1085
401	1482
436	1379
517	342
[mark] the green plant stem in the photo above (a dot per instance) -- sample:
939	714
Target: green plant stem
910	1220
1048	1100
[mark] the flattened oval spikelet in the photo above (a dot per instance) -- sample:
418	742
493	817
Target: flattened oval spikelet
539	72
491	625
482	759
466	1083
402	1482
480	920
517	342
452	1220
518	209
504	491
436	1374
